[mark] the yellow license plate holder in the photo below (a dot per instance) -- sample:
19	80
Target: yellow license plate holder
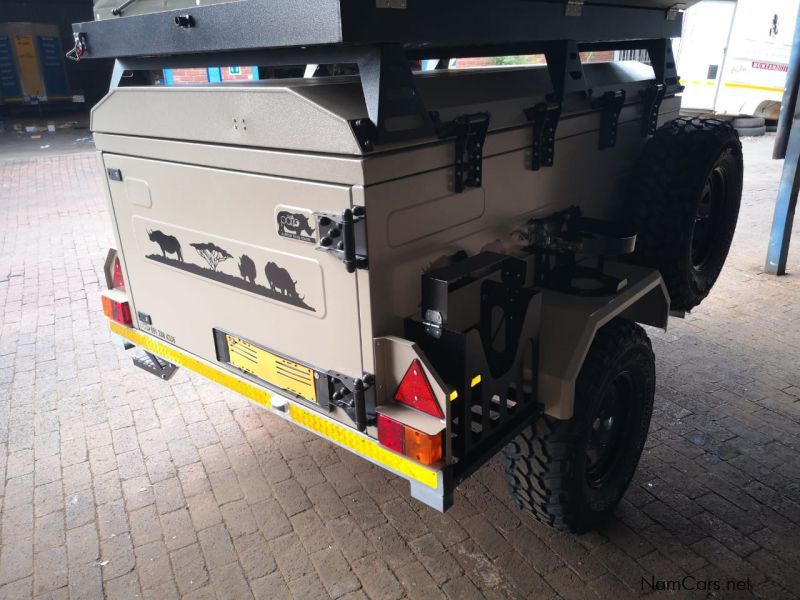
273	369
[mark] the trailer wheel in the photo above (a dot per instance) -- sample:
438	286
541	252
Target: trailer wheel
684	204
571	474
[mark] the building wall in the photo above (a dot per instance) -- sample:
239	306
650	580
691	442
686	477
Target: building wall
183	76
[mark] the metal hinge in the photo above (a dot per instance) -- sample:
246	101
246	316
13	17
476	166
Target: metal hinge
470	133
574	8
611	104
345	236
652	98
545	117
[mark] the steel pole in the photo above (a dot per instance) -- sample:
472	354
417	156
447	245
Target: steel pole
789	100
786	202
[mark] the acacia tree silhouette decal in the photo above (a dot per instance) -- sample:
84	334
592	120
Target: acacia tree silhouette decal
212	254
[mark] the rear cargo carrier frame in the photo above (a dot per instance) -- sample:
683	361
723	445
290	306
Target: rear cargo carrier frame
381	37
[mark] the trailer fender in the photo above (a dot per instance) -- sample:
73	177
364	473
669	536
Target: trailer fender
570	322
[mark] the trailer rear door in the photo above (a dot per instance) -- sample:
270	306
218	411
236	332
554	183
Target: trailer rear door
209	249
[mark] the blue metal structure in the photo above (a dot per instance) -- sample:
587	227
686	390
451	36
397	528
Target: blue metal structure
786	203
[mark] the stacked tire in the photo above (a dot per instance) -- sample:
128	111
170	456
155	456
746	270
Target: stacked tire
750	126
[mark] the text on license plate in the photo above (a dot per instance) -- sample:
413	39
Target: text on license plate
278	371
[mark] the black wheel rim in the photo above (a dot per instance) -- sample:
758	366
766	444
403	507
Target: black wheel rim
706	221
608	430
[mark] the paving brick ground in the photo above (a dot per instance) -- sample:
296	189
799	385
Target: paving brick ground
115	483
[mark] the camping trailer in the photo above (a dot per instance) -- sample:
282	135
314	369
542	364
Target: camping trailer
424	268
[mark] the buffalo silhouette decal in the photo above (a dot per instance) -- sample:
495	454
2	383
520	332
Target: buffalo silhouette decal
281	286
295	226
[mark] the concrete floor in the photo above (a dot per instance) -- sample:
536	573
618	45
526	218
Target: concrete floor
115	483
29	137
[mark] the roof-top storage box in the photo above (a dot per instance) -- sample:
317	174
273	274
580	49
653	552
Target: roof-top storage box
103	8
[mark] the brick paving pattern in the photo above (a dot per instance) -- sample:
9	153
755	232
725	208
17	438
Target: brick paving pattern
115	483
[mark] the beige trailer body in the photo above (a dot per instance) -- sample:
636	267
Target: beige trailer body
255	151
214	192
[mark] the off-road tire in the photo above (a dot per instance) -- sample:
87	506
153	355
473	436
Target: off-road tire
667	191
548	471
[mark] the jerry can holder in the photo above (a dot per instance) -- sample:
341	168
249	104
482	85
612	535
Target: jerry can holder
494	374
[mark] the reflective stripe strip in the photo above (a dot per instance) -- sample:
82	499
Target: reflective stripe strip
363	445
339	434
257	395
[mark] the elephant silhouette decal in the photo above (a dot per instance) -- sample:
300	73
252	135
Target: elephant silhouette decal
281	286
169	244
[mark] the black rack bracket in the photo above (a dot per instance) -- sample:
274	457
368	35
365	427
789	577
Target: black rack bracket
545	117
610	104
652	99
470	135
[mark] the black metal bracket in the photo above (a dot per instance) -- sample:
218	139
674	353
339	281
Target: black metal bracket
470	133
439	283
393	102
545	117
652	98
155	365
565	68
610	104
354	396
345	236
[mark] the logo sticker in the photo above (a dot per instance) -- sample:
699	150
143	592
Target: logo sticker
296	225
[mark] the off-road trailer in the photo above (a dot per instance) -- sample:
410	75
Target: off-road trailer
423	268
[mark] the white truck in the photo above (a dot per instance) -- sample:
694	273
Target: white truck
734	55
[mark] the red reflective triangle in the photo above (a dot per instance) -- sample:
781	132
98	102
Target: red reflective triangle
415	391
118	281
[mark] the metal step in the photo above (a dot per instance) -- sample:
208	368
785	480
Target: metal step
155	365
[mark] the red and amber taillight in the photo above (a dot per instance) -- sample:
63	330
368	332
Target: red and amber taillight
115	299
415	392
422	447
116	310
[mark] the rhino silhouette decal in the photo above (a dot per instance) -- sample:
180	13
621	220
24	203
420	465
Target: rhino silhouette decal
280	281
281	286
169	244
295	226
247	268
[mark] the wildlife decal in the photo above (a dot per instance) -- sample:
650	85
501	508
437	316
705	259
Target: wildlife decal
209	259
295	225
